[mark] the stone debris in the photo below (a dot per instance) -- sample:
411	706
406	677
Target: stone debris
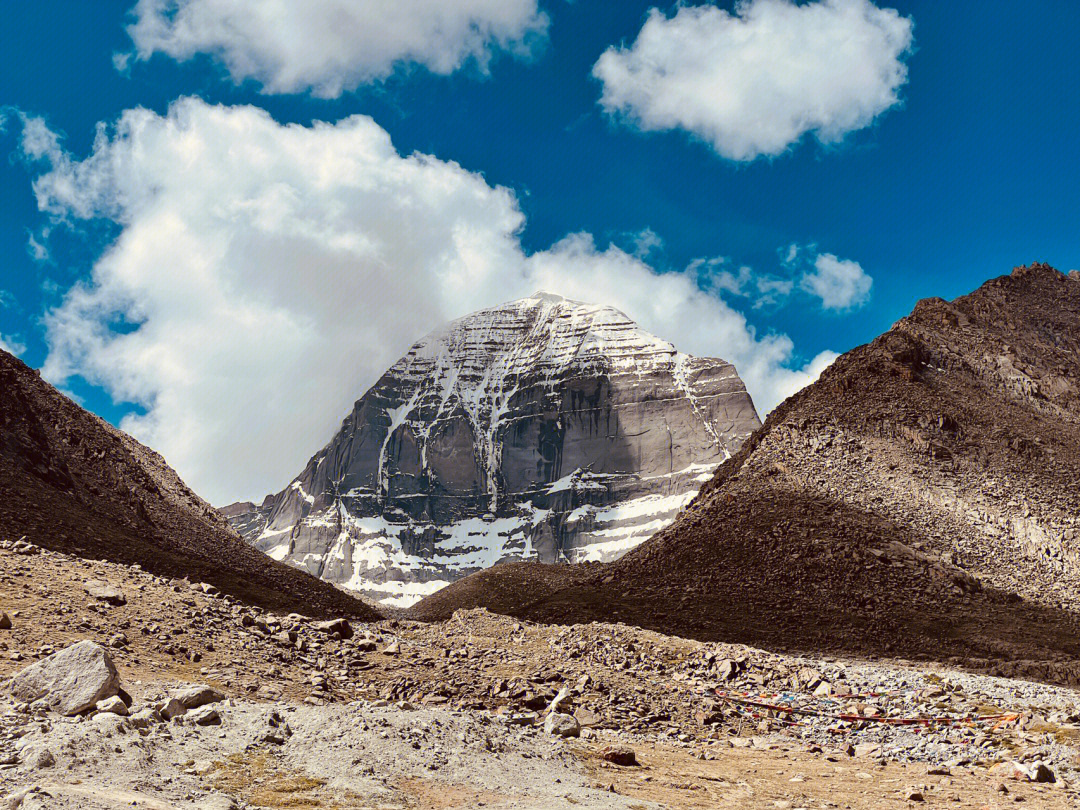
620	686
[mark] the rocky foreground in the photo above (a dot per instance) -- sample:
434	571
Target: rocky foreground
186	698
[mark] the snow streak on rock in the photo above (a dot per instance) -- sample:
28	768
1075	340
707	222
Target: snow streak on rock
543	428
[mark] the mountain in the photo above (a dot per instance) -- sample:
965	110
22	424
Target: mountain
541	429
919	499
71	482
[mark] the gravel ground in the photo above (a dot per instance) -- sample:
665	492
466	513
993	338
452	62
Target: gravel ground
369	755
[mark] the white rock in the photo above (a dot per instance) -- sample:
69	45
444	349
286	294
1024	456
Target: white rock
205	716
195	696
562	725
71	681
112	705
104	592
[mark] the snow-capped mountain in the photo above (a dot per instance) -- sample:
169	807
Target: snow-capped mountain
540	429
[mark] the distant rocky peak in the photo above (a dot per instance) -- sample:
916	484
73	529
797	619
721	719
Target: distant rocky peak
542	418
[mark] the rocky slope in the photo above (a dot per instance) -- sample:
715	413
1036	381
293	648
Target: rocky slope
224	706
71	482
540	429
919	499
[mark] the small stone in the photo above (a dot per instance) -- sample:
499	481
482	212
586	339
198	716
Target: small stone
37	758
217	802
113	705
393	648
171	708
867	750
205	716
1040	772
335	627
562	725
145	718
5	621
196	696
619	755
104	592
915	795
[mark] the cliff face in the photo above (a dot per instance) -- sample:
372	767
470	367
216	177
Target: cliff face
71	482
540	429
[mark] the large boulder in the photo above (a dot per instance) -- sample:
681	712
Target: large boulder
71	681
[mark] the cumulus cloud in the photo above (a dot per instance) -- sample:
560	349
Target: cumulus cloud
754	82
840	283
330	46
266	274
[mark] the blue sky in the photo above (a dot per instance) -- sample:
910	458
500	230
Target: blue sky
972	172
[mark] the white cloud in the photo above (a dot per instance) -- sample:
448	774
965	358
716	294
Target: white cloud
763	289
12	345
330	46
754	82
839	283
269	273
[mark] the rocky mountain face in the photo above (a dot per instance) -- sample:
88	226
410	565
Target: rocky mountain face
541	429
72	483
918	499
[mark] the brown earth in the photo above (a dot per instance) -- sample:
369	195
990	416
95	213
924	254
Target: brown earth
918	500
71	482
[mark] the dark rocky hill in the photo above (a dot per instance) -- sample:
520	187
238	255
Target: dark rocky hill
920	499
71	482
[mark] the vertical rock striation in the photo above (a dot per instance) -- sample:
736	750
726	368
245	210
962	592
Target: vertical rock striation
539	429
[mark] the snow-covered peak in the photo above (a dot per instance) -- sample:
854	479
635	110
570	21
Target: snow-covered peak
542	331
542	428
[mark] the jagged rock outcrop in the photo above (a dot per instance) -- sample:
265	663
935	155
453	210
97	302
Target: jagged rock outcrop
919	499
71	482
540	429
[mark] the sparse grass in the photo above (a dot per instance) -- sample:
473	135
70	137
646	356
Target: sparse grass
263	781
1061	734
